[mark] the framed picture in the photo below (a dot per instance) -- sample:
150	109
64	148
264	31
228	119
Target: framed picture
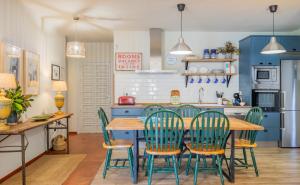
32	73
11	61
55	72
128	61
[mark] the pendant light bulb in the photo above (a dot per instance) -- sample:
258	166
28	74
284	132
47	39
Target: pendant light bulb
75	49
181	48
273	47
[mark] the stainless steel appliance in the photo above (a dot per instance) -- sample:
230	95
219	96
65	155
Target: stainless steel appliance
268	100
290	103
265	77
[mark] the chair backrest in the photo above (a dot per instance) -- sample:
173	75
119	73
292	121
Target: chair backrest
209	130
103	124
152	108
164	131
254	116
188	111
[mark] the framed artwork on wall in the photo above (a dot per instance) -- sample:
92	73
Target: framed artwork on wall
55	72
128	61
31	73
11	61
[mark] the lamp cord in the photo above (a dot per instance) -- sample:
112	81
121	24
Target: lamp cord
273	23
181	24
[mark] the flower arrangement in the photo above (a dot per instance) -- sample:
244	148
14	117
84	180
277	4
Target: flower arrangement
229	48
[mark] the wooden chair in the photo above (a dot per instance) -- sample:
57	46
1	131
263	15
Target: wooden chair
209	132
187	111
111	145
163	133
247	139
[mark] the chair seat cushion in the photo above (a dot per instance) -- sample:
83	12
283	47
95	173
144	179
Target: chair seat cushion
165	151
243	143
204	151
117	144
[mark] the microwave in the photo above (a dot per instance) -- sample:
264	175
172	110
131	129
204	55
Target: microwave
265	77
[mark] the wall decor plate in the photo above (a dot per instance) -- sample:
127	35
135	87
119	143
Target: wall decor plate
11	61
32	73
55	72
128	61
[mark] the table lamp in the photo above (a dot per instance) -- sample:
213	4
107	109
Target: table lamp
7	81
59	87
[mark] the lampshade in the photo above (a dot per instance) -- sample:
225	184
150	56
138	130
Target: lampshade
75	49
273	47
7	81
59	86
181	48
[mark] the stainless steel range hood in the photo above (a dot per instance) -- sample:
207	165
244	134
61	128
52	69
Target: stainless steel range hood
156	56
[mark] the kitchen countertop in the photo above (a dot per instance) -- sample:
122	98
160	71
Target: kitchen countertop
203	105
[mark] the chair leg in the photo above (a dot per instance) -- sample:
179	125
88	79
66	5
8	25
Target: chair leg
245	157
144	160
130	158
175	169
107	162
167	160
188	165
150	168
219	161
148	164
254	161
196	169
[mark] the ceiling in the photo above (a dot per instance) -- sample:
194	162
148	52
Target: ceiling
100	17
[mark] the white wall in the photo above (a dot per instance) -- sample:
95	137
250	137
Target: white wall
17	28
156	88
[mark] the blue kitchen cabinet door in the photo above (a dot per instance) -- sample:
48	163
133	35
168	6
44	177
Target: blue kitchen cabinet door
127	112
271	123
290	43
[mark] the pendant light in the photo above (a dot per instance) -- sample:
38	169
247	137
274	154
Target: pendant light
181	48
75	49
273	47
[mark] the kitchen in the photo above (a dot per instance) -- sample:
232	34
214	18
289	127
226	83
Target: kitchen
130	68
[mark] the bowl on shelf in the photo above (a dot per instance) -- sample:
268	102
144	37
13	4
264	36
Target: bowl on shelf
242	103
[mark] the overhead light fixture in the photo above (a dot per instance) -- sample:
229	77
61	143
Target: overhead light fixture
75	49
273	47
181	48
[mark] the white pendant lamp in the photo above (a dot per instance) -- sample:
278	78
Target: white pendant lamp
181	48
273	47
75	49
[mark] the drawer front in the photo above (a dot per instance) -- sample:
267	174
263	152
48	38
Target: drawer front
269	134
271	120
122	134
127	112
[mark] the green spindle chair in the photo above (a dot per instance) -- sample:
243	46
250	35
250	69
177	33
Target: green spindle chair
247	139
163	133
208	133
148	111
111	145
187	111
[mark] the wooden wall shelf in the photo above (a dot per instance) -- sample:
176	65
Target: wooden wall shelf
208	74
209	60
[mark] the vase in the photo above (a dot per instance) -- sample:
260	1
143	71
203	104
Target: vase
13	118
220	101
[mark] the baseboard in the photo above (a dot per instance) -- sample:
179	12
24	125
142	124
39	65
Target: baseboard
20	168
73	133
262	144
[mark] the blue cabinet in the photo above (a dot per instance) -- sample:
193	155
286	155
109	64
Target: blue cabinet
271	123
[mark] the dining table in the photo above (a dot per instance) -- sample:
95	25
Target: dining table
137	124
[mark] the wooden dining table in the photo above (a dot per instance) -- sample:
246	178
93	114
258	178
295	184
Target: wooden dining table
136	124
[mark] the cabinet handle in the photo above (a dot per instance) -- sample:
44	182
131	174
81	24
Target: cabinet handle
265	116
126	111
266	130
270	63
127	133
261	63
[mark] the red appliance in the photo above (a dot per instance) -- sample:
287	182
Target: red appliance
126	100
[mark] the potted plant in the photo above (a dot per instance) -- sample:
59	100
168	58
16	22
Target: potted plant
20	103
229	50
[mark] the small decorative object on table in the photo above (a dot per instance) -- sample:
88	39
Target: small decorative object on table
59	143
42	117
20	104
229	50
7	81
175	97
59	87
219	97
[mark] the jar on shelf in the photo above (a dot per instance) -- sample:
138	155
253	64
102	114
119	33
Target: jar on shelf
213	53
206	54
175	97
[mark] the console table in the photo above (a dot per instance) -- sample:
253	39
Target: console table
19	129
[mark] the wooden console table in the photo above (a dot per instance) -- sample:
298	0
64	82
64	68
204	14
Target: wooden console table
20	129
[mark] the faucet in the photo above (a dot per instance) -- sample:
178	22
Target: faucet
201	94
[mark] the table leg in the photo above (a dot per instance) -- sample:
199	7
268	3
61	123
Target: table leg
23	158
47	128
232	156
135	157
68	138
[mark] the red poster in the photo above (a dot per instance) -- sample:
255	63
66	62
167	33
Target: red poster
128	61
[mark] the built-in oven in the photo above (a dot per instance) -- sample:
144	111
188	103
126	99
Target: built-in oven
268	100
265	77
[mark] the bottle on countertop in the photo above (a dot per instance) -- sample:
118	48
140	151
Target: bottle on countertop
175	97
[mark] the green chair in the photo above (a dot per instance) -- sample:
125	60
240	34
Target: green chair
247	139
163	133
208	134
111	145
187	111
